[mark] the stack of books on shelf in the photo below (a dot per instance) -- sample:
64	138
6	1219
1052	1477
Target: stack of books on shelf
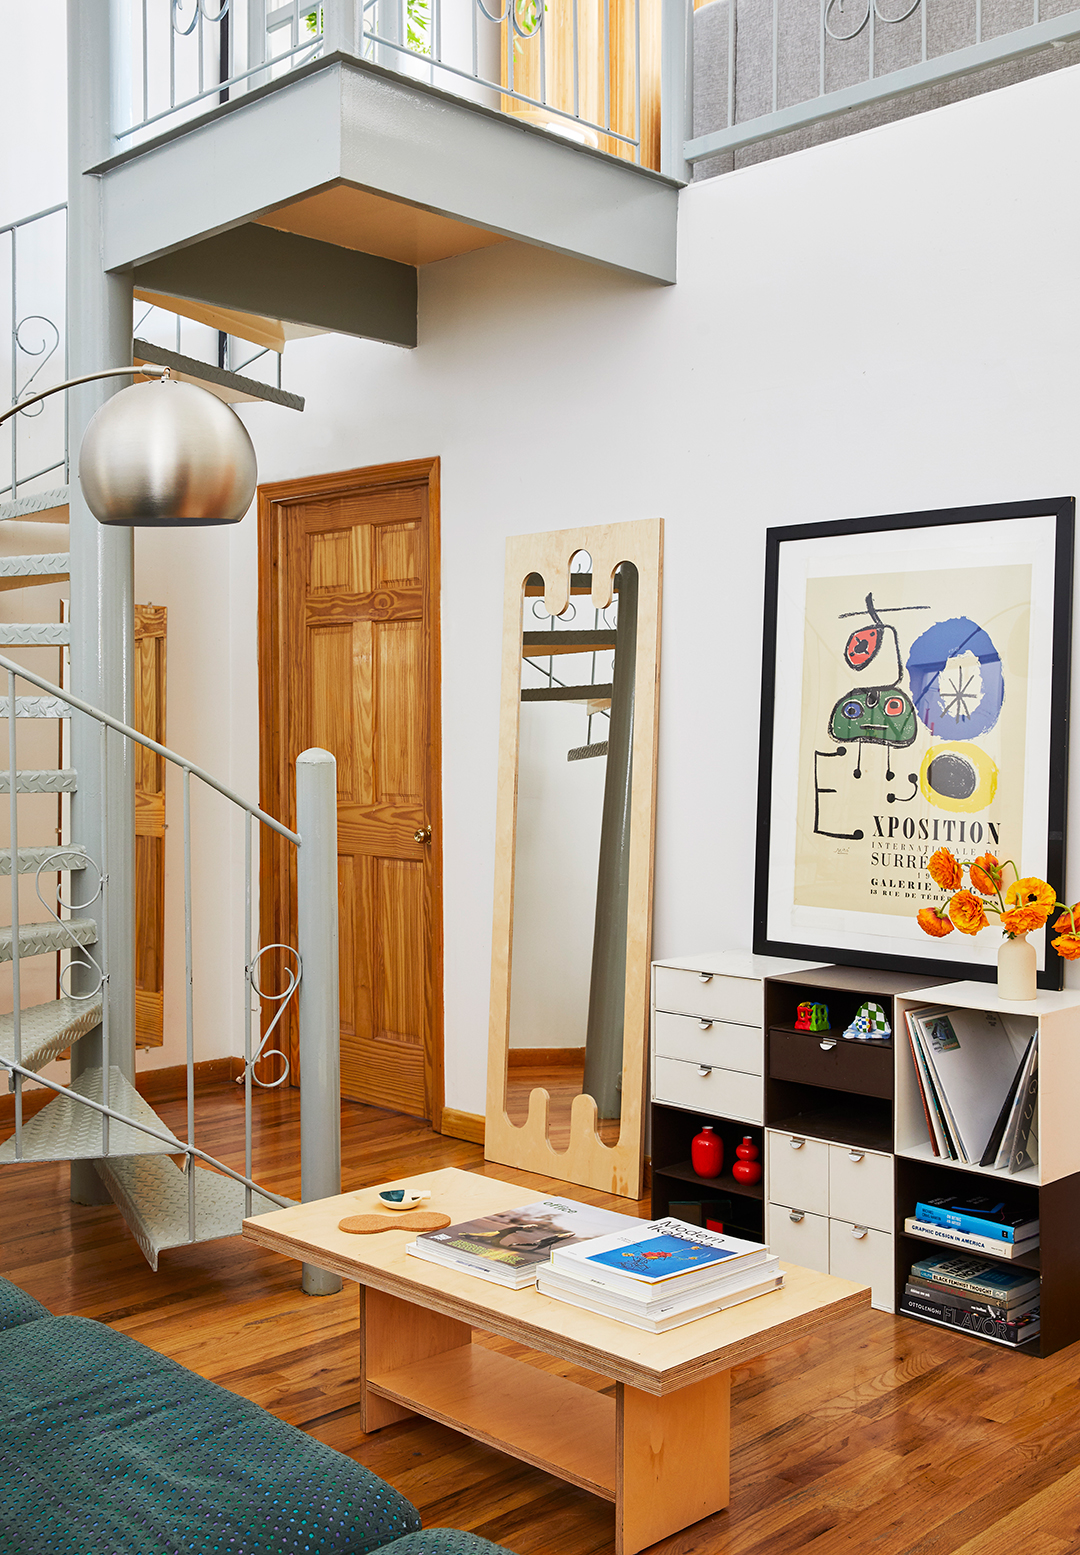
660	1274
972	1294
510	1246
978	1076
979	1225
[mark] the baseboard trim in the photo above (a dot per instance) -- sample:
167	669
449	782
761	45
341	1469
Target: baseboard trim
168	1084
546	1057
463	1125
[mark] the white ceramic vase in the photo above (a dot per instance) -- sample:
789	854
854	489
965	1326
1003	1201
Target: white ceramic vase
1016	969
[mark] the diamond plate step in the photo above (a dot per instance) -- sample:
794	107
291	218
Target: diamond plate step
38	939
64	1131
63	780
20	572
40	502
54	634
31	859
48	1029
152	1195
36	707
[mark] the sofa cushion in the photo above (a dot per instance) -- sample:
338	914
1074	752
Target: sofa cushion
443	1541
17	1307
107	1448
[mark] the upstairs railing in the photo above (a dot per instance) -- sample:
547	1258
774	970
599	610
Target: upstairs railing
764	68
588	70
33	350
316	927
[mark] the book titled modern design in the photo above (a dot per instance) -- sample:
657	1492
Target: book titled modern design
509	1246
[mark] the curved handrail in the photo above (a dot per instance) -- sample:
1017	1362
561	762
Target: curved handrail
144	739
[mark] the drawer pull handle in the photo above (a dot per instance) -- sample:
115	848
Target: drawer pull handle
858	1232
704	1070
796	1215
796	1144
855	1155
827	1044
704	1025
706	977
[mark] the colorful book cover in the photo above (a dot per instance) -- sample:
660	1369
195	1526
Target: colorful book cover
660	1257
522	1238
974	1244
983	1217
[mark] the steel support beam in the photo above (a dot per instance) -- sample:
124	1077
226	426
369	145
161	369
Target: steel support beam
99	309
283	276
344	120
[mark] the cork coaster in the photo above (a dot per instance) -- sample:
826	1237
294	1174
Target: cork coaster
411	1220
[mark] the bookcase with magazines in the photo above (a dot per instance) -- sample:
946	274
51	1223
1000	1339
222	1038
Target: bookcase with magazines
1006	1133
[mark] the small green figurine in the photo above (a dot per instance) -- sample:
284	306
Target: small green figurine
812	1017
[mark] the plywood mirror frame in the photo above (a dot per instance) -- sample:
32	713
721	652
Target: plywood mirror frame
588	1161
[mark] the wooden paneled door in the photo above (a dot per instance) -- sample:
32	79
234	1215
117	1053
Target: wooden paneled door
349	660
150	623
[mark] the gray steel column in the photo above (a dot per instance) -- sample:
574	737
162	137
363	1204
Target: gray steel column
102	560
607	989
319	994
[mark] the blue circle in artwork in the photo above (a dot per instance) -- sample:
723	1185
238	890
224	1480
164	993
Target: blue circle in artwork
957	705
852	709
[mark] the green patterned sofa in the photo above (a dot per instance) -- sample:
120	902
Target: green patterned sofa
107	1448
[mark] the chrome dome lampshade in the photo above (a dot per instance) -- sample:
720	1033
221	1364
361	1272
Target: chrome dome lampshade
167	454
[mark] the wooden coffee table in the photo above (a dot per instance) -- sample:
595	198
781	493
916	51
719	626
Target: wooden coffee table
659	1449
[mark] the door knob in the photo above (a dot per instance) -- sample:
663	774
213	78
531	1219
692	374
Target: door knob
422	834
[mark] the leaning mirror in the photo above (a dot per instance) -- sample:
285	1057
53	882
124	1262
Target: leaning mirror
568	1041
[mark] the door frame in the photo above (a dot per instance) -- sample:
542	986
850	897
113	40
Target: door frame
277	779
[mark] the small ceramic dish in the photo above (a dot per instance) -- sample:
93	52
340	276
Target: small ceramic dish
403	1198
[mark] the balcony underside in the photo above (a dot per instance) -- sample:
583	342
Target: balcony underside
365	175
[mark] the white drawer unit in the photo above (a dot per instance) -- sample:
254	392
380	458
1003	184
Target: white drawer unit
717	1043
798	1171
858	1252
798	1236
710	995
861	1186
704	1088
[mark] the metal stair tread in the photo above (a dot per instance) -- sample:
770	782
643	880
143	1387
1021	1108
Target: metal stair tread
36	707
152	1195
68	856
56	634
40	502
45	564
65	1131
53	780
39	939
46	1030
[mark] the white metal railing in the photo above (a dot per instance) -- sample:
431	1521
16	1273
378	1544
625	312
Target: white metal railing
761	70
310	904
33	348
574	67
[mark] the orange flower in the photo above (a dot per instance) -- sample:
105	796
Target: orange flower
945	870
931	921
1069	922
985	874
966	912
1034	897
1068	945
1022	920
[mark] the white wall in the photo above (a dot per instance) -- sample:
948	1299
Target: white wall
885	323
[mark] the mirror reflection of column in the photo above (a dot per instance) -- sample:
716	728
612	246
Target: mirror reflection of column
574	861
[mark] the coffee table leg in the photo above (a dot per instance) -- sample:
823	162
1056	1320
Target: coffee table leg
394	1333
672	1460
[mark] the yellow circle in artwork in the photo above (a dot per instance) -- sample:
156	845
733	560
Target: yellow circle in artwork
958	775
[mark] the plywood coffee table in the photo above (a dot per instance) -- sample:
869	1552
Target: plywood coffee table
659	1449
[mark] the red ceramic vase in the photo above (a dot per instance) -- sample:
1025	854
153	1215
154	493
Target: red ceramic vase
747	1169
707	1152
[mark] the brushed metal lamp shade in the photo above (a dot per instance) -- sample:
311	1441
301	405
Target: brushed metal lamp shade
167	455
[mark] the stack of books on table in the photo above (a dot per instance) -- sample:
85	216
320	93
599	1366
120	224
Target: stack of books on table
660	1274
1003	1228
510	1246
978	1076
972	1294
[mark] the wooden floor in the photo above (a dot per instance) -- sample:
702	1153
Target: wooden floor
877	1436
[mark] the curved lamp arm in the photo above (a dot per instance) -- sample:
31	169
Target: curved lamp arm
71	383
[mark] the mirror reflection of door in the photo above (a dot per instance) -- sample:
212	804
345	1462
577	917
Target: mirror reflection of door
571	852
349	662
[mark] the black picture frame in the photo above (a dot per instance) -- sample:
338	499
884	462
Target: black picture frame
777	821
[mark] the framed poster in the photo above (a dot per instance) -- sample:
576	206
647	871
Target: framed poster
915	689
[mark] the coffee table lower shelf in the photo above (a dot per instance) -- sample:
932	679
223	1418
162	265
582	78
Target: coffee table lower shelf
559	1426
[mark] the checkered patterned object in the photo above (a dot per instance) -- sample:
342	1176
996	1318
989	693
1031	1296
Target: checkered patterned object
870	1024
